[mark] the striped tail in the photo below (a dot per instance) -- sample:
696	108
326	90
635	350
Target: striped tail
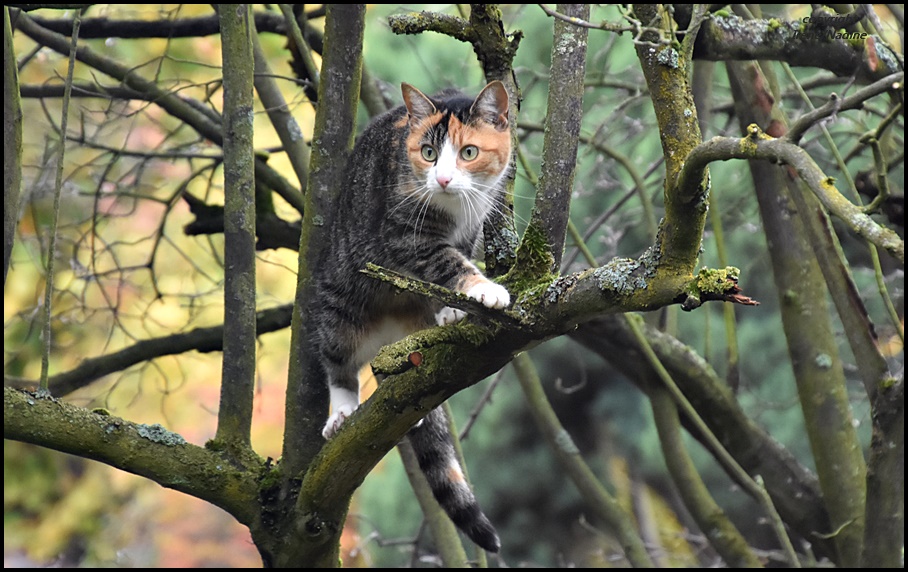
437	459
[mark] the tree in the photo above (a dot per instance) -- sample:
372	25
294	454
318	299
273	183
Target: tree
849	511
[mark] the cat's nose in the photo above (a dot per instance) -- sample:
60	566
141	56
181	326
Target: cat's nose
443	180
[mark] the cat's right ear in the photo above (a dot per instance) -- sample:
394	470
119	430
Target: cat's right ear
418	105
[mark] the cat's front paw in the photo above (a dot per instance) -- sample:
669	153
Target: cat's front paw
336	420
490	294
448	315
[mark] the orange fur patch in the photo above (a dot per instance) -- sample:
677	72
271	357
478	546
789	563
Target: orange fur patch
494	145
470	280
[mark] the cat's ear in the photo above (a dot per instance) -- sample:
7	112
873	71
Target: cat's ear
418	105
491	105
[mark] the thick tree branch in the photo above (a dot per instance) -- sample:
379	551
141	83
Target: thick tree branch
238	371
12	142
667	75
148	451
727	37
307	392
548	223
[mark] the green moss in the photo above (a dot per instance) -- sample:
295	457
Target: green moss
271	477
717	281
888	383
395	358
215	445
534	256
532	274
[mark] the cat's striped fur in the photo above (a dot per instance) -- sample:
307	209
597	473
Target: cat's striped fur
421	181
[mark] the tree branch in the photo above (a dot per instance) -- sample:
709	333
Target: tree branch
238	370
307	392
667	74
148	451
12	143
728	37
103	28
200	340
758	145
548	223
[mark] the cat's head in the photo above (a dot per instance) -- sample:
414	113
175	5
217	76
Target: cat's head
459	148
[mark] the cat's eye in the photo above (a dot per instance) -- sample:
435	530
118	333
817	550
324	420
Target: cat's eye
429	153
469	152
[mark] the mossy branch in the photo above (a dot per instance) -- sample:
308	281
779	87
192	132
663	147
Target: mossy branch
332	141
758	145
667	72
727	37
419	22
238	379
548	221
12	142
147	451
442	294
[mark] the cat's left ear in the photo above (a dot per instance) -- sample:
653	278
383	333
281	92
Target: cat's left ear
492	105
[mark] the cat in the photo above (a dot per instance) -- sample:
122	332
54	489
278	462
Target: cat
421	180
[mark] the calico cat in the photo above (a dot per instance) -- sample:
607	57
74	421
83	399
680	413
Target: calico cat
421	180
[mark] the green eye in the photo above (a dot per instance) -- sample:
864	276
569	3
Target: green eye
469	152
429	153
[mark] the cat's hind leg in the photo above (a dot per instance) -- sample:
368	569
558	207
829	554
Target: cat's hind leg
343	385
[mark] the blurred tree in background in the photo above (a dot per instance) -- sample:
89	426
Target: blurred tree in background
674	151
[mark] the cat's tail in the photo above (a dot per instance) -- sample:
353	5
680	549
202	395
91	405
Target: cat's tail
434	449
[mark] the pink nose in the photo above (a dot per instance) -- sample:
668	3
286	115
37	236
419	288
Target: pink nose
443	180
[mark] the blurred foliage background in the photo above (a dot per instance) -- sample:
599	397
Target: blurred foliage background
127	272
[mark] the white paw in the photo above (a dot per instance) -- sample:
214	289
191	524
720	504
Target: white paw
490	294
448	315
337	419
